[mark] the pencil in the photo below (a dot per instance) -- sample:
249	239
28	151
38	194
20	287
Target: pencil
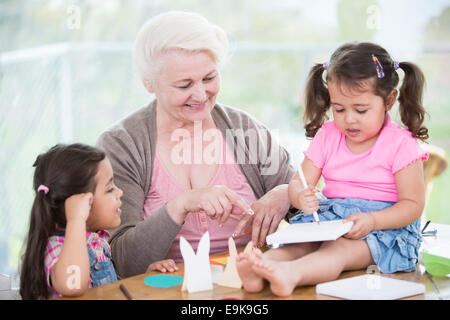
305	185
125	292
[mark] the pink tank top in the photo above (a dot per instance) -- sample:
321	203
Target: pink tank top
164	187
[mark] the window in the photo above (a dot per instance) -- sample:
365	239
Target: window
66	74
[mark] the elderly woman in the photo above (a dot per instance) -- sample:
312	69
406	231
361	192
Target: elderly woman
187	164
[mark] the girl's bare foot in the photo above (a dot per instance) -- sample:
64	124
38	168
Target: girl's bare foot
278	273
251	281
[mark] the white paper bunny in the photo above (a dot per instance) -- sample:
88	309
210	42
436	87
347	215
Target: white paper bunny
197	270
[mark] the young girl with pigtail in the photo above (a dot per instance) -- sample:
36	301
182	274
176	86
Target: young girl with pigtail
67	248
372	170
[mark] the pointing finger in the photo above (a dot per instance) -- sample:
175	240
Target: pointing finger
239	202
242	225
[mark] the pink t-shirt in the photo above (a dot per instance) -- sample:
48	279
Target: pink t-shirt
164	187
369	175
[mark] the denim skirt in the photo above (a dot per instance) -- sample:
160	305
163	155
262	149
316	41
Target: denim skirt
392	250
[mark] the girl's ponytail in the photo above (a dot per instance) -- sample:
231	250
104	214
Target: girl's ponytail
317	101
410	100
33	283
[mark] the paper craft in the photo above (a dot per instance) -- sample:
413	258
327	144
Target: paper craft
248	247
370	287
197	271
219	261
309	232
163	281
216	273
230	277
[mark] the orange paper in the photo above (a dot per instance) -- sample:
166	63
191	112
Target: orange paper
219	261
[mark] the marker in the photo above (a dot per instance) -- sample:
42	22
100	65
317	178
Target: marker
305	185
125	292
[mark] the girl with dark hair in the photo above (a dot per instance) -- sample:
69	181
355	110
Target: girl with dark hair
66	248
372	169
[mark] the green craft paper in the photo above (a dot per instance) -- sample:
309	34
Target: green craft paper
163	281
436	265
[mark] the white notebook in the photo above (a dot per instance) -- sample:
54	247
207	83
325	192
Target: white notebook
370	287
309	232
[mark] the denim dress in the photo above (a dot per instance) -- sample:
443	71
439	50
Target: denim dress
102	272
392	250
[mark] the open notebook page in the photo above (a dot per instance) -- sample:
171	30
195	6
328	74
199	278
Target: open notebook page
310	232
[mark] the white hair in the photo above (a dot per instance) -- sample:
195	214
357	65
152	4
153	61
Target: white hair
176	30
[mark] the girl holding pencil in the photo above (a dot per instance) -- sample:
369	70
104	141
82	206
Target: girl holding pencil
372	169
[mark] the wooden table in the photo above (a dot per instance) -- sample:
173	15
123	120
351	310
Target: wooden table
436	287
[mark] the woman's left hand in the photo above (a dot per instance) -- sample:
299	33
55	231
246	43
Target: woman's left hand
363	223
269	210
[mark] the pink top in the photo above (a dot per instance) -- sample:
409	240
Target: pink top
164	187
369	175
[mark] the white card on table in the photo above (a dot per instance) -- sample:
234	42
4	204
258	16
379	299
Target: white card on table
370	287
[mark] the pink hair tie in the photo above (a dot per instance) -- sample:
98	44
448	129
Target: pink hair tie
43	188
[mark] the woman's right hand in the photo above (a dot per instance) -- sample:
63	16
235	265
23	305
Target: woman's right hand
78	206
218	202
308	200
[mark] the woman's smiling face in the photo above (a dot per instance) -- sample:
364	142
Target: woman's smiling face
187	85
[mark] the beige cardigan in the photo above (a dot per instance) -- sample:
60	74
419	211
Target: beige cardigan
130	146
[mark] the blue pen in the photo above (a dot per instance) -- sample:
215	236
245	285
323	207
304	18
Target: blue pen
305	185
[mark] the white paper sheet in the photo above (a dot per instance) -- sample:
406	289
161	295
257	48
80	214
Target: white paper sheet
370	287
309	232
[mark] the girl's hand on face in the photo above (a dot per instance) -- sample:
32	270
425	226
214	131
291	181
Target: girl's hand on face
163	266
363	223
308	200
78	206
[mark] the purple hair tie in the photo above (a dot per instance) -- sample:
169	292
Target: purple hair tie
325	65
396	65
43	188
